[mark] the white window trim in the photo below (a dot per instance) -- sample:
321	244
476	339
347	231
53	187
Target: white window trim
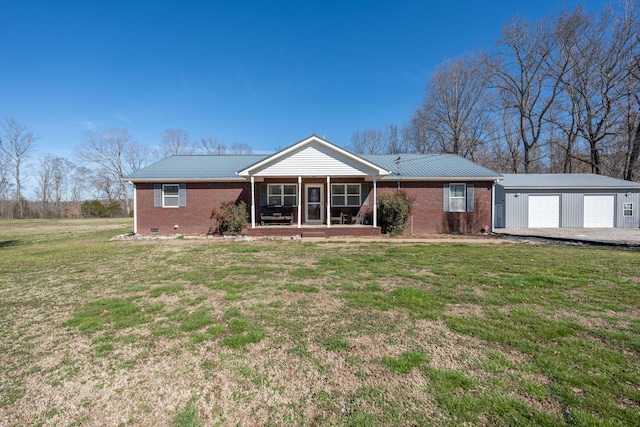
463	197
627	209
282	194
345	195
177	196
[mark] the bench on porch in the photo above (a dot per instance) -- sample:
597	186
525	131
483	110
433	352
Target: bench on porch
276	215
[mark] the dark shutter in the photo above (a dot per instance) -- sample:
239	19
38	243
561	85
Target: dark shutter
182	195
157	195
364	194
263	194
445	198
469	197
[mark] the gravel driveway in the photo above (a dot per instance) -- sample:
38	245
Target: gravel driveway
613	236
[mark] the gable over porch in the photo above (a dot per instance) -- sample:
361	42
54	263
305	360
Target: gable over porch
313	182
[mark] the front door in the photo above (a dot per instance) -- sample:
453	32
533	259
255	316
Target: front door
314	200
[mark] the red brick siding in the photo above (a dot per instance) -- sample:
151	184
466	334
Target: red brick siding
195	217
202	198
428	215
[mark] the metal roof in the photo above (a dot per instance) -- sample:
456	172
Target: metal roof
226	167
563	180
431	166
195	168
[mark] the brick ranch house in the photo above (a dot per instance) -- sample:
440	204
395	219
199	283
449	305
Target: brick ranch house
312	187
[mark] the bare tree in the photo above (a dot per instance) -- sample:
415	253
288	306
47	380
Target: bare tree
80	181
398	140
525	83
628	140
63	169
44	179
453	116
176	142
211	145
5	184
602	52
241	148
137	156
369	141
117	157
16	143
107	186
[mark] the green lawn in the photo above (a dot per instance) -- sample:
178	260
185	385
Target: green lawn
209	332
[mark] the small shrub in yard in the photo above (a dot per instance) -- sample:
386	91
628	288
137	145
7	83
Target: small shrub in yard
231	217
393	211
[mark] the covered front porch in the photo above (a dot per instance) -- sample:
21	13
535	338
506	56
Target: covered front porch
314	184
329	202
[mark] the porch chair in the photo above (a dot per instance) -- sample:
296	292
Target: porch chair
357	216
336	216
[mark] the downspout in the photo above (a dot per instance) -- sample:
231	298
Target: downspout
253	202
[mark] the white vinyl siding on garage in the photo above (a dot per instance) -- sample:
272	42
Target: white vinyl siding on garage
599	210
544	211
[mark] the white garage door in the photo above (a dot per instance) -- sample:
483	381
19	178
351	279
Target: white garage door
598	211
544	211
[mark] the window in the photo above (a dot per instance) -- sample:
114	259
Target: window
457	197
345	194
627	209
170	195
282	194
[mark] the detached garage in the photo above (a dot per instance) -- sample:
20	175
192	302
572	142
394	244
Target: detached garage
566	200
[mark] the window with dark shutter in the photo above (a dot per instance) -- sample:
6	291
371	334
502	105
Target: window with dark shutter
469	197
157	195
182	195
458	197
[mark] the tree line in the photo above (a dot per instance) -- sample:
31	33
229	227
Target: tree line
92	185
559	95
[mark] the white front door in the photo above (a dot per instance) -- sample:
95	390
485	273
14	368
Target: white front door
314	203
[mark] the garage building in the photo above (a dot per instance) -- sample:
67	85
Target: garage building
566	200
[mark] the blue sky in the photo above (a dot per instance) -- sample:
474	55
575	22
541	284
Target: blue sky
266	73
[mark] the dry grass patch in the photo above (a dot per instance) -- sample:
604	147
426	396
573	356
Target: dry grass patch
211	332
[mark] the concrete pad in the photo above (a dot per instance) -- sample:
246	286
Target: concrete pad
609	236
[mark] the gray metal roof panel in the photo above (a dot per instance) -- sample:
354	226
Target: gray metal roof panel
195	167
563	180
225	167
420	166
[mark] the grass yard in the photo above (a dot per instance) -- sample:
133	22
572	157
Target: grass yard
207	332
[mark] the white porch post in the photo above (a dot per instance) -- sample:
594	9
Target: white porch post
299	202
328	213
253	202
375	202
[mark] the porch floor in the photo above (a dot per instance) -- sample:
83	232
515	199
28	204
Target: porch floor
313	230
